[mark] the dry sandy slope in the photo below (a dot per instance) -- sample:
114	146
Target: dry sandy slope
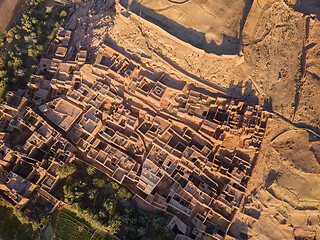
281	51
283	197
270	67
138	35
204	23
7	10
273	43
308	109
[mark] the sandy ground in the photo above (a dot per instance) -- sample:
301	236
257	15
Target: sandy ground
283	197
309	94
269	67
273	43
7	10
279	62
199	22
226	72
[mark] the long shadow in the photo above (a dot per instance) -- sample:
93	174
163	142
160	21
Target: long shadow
229	46
210	84
305	126
245	14
267	105
246	92
177	2
308	7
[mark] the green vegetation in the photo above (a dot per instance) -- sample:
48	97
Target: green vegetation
107	206
45	220
98	182
63	14
66	170
144	220
142	227
158	222
14	225
22	46
115	186
71	227
91	170
124	193
100	211
35	51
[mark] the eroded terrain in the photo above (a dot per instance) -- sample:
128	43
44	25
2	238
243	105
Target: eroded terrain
262	53
200	23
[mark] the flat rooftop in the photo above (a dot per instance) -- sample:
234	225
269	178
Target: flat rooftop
61	112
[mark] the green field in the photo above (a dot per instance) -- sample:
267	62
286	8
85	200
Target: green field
72	228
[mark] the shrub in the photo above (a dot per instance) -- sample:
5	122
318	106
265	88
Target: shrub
141	231
3	73
34	68
92	193
91	170
114	225
30	38
10	33
35	51
74	192
115	186
45	220
144	220
124	193
66	170
52	35
18	73
2	62
110	205
158	222
3	90
98	182
63	14
15	63
129	220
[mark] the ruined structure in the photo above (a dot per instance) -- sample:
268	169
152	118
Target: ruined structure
178	148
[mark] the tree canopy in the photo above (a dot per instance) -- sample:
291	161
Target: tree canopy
66	170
